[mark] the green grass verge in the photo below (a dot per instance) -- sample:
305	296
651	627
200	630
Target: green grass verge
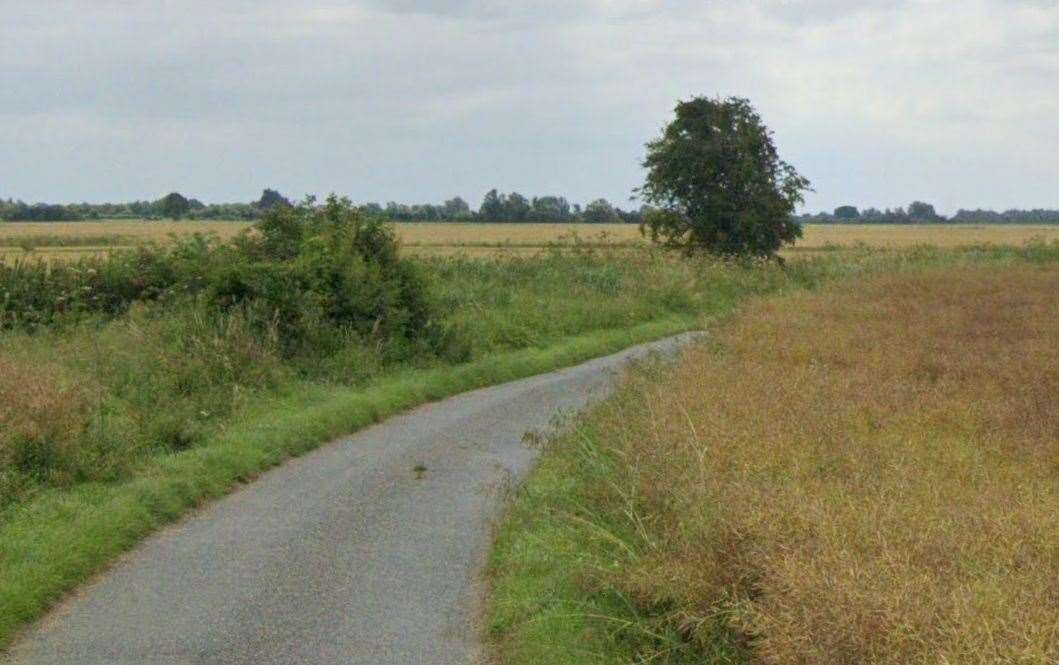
60	539
550	603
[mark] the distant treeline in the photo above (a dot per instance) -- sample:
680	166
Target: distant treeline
495	207
19	211
919	212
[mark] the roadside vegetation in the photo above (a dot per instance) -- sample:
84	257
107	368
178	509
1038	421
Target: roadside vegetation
135	385
109	360
867	473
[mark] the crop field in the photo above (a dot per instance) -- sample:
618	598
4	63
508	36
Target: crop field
868	473
71	240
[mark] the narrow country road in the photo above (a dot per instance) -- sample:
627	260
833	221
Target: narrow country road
345	555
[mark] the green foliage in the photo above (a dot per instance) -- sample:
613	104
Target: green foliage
718	183
36	293
496	207
174	205
513	207
305	273
600	211
500	304
919	212
307	268
847	212
270	198
923	212
173	339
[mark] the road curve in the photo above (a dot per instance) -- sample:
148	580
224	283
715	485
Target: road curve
345	555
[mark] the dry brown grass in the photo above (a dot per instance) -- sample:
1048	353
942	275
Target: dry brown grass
43	410
897	236
136	230
867	474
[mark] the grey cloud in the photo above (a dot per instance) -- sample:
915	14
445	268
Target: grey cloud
875	101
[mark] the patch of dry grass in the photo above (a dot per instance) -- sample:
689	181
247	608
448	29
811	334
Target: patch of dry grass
133	230
869	473
43	411
898	236
473	239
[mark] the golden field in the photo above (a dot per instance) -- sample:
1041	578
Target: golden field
865	474
81	238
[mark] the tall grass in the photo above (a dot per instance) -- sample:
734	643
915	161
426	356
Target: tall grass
866	474
499	304
45	410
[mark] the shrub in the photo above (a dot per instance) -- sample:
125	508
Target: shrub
306	267
301	268
35	293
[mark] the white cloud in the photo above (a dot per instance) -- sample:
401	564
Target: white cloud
878	102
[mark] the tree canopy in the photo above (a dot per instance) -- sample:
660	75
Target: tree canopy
174	205
847	212
270	198
718	184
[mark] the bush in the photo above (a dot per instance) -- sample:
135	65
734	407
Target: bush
301	268
35	293
305	269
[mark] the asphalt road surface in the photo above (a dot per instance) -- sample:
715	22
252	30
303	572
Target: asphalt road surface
368	550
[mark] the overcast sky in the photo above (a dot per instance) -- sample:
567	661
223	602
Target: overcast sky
878	102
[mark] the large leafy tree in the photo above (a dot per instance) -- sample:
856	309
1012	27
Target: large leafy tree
601	211
923	212
550	209
847	212
271	198
174	205
492	209
716	183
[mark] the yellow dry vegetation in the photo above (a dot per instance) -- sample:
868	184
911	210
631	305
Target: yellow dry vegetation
866	474
133	230
896	236
42	409
434	239
817	236
452	235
